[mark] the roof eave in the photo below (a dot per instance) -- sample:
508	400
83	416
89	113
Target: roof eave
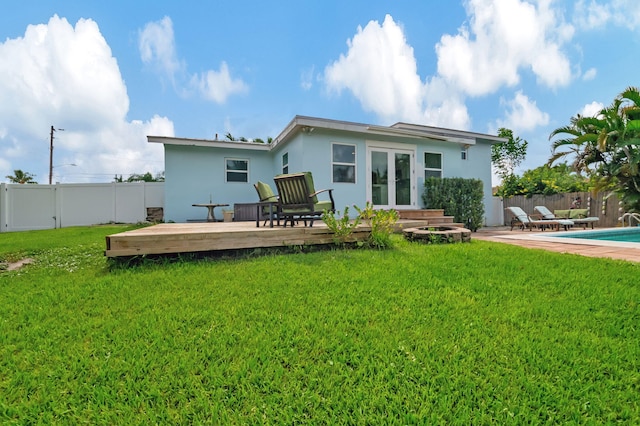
167	140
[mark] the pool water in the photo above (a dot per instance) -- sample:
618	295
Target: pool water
630	235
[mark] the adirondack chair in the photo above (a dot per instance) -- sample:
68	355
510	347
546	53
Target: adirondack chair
298	199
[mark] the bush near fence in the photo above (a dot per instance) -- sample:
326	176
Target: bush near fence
600	204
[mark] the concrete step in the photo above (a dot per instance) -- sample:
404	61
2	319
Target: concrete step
421	214
435	217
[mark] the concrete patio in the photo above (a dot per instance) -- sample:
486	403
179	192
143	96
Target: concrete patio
586	248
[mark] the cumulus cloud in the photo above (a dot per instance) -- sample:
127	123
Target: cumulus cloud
156	43
380	70
593	14
591	110
503	38
522	114
66	75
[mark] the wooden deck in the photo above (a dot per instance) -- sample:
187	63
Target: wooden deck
172	238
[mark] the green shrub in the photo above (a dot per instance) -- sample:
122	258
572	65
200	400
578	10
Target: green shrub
460	198
382	224
341	226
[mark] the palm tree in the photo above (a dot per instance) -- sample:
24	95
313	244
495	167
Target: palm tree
21	177
581	143
607	146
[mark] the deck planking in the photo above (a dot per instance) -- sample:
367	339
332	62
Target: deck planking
173	238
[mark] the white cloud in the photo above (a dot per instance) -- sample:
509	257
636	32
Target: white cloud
523	114
444	107
504	37
590	74
82	91
593	14
217	86
306	78
592	109
157	46
380	70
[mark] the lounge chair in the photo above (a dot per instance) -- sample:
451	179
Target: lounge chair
523	220
578	216
298	199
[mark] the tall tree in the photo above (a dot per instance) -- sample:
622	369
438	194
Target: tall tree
506	156
21	177
580	145
607	146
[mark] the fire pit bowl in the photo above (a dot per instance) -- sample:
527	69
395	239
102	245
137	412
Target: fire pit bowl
438	234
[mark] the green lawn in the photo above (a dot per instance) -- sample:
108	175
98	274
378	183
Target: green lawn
459	334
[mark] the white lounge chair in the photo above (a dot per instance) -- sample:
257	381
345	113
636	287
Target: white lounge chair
523	220
584	221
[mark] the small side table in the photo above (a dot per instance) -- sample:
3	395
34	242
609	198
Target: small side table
210	207
272	210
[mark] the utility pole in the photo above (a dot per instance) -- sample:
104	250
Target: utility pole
51	153
51	156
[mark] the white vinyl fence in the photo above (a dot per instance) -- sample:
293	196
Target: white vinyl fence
29	207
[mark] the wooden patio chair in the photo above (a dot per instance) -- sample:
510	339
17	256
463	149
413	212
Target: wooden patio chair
298	199
269	202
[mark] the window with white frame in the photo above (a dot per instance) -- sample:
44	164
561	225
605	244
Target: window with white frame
236	170
343	163
432	165
285	163
464	152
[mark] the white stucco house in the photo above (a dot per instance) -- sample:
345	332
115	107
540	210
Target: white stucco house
356	160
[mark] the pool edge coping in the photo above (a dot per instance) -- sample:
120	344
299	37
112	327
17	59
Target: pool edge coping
578	241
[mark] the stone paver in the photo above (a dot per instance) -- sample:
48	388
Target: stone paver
504	235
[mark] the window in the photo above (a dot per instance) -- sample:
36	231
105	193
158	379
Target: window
285	163
237	170
432	165
344	163
464	152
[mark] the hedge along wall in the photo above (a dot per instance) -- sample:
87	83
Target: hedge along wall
459	197
598	205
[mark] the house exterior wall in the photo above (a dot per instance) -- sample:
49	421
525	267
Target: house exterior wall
196	174
317	158
476	166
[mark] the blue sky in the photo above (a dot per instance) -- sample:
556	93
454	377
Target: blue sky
110	73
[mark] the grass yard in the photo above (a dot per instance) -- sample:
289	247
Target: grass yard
453	334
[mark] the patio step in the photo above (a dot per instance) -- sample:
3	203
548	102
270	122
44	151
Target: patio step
421	214
435	217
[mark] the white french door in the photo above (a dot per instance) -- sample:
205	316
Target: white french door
391	177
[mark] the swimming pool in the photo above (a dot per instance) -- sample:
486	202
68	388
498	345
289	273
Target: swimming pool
610	237
630	234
